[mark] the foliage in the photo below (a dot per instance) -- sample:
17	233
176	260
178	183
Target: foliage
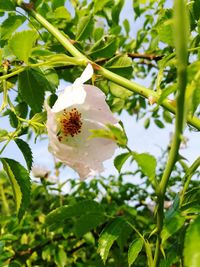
106	220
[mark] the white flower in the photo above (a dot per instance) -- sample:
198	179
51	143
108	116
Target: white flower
77	110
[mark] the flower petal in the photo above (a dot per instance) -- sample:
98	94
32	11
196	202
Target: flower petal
84	155
85	76
77	110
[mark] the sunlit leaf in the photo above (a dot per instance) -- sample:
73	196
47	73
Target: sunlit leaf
21	44
20	181
134	250
110	233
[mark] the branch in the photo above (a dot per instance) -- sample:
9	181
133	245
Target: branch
130	85
145	56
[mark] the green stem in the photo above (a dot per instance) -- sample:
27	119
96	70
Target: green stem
65	61
187	178
180	20
59	36
5	88
130	85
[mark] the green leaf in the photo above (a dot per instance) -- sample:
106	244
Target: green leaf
60	257
116	11
167	91
62	13
165	32
10	25
159	123
104	49
112	132
98	33
31	88
20	181
134	250
192	244
58	215
6	5
110	233
57	3
126	26
119	91
172	226
99	5
3	135
26	151
37	122
117	104
121	65
147	163
51	80
120	160
21	44
88	222
84	27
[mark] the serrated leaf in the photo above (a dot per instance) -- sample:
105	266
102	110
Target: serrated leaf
110	233
21	44
60	214
120	160
6	5
121	65
20	181
26	151
134	250
84	27
147	163
105	49
31	89
88	222
10	25
192	244
62	13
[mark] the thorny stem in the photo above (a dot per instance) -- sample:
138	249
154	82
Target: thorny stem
5	89
130	85
180	23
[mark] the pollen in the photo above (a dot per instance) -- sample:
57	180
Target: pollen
70	124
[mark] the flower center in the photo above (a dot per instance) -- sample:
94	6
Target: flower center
70	123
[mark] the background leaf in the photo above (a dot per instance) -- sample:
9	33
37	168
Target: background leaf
134	250
84	27
20	182
110	233
120	160
31	87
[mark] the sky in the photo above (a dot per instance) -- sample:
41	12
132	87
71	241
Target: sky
153	140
